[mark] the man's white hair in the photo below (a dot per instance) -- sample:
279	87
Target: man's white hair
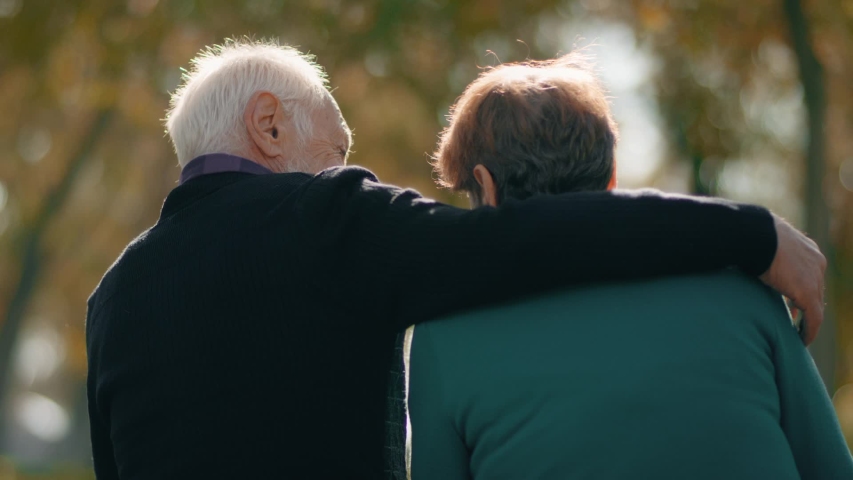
206	112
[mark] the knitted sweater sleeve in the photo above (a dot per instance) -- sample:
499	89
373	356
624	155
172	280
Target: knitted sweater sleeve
413	259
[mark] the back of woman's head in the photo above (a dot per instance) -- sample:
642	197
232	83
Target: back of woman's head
537	126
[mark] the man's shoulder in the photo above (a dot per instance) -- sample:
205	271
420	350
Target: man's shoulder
335	177
267	189
122	270
352	181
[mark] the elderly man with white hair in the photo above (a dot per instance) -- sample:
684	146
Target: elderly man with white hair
250	331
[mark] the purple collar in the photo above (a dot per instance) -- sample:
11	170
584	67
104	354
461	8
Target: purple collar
219	163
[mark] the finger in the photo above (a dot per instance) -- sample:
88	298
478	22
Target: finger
813	316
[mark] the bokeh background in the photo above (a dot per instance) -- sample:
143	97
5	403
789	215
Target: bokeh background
745	99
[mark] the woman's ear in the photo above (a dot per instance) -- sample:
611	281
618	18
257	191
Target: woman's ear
264	119
489	191
612	184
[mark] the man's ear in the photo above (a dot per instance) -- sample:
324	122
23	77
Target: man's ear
264	118
487	185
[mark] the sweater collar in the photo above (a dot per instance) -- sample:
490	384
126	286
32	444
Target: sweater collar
220	163
197	179
190	192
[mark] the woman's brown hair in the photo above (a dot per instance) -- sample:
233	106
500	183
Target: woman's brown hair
537	126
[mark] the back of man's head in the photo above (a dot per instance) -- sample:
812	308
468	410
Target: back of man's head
537	126
206	112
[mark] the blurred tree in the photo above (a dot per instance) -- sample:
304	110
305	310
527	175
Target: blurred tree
31	245
817	214
737	100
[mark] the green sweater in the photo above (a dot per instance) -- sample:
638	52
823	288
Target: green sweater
699	377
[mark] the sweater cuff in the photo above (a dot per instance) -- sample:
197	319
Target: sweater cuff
758	242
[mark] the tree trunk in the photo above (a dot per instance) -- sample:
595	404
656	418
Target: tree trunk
32	260
698	185
817	216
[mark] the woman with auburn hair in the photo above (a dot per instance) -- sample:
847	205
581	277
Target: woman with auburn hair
700	377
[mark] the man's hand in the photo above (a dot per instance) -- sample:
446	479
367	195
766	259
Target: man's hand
797	272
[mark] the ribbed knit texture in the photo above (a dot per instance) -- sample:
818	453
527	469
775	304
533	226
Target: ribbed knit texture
250	332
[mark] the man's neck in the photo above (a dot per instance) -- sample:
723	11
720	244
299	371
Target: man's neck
220	163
